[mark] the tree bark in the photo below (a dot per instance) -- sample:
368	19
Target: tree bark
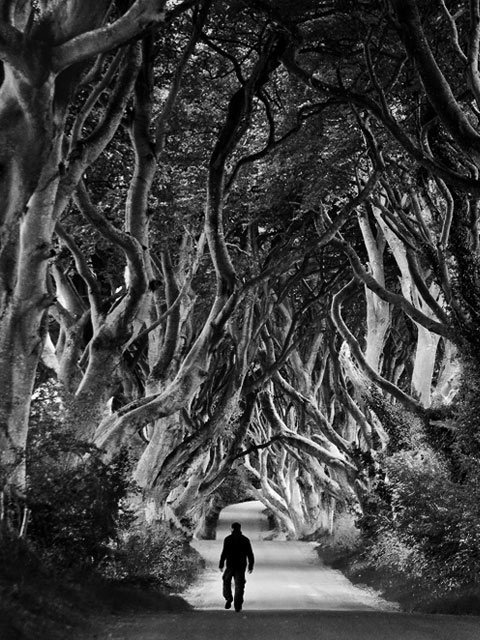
29	152
38	73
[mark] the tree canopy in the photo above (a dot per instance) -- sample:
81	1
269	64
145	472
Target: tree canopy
240	236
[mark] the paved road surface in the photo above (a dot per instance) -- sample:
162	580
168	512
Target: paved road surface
292	625
289	596
287	575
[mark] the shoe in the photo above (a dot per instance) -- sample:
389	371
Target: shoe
238	609
228	604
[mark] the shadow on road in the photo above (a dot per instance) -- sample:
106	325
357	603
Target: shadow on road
291	625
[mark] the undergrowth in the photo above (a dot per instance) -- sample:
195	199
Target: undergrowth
408	590
83	553
154	556
41	601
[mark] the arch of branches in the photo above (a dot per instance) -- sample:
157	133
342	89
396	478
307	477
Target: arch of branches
238	238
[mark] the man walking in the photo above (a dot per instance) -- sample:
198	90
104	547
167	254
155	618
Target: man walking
237	551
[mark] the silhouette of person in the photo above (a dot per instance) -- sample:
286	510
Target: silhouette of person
237	551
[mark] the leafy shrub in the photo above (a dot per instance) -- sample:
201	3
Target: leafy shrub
77	501
467	421
377	510
430	526
345	534
154	555
77	506
391	554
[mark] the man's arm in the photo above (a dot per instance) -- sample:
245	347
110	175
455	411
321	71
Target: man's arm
250	557
222	557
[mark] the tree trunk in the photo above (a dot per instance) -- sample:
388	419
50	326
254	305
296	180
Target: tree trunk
27	228
425	357
378	311
165	437
40	59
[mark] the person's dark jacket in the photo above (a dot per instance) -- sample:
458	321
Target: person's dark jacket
237	550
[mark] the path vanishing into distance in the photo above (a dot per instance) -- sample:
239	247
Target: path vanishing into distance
289	595
287	574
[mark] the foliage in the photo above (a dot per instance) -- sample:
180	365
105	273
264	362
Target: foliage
467	421
392	554
49	603
421	520
35	603
153	555
423	506
77	500
430	526
401	427
233	489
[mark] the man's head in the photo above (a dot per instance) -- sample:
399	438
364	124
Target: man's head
236	527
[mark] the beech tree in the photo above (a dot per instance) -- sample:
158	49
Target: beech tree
133	353
45	48
232	231
421	119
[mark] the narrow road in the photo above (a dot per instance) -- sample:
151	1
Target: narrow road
287	575
289	596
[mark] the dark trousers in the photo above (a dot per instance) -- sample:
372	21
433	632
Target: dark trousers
238	576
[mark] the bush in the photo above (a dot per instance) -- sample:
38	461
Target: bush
77	505
390	554
77	501
429	528
154	556
43	603
467	422
35	602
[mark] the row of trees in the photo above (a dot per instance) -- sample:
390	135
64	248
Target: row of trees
239	234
